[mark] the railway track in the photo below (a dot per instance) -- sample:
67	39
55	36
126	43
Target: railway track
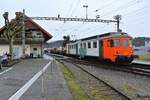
105	86
137	69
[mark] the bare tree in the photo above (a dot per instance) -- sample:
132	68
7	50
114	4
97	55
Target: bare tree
12	28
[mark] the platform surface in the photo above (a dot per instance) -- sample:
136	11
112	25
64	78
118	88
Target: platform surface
141	62
55	87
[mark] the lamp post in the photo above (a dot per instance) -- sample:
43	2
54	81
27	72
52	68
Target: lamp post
86	6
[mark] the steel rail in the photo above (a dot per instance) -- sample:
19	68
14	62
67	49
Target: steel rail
100	80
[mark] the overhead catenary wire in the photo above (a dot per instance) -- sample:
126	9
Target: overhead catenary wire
75	8
136	11
104	6
69	10
121	7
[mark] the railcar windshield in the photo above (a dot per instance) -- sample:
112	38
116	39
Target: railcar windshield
114	43
117	43
124	43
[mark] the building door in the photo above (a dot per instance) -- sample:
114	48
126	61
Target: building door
35	52
16	52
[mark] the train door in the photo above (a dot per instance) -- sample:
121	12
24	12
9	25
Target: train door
101	49
76	49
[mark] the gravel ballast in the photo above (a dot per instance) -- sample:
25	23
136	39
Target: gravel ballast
135	86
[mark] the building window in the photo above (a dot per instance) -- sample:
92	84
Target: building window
38	34
95	44
35	49
89	44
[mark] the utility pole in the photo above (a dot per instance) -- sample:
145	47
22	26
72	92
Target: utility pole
23	34
86	6
118	18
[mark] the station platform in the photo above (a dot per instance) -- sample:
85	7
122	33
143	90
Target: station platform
141	62
55	87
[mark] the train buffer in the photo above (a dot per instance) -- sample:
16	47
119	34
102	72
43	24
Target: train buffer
34	79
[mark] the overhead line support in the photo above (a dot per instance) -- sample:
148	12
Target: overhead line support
73	19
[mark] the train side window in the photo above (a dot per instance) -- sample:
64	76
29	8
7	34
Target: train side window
68	46
94	44
117	43
89	44
84	45
74	46
124	43
81	45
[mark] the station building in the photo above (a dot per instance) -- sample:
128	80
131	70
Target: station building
35	37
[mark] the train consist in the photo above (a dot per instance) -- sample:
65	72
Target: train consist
114	46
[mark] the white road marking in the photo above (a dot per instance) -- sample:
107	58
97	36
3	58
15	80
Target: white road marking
6	70
24	88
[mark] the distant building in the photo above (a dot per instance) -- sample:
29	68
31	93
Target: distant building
35	37
142	46
147	43
57	45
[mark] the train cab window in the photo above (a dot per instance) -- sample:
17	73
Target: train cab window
94	44
124	43
110	43
89	44
117	43
84	45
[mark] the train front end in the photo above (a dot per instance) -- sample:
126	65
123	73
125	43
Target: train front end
119	48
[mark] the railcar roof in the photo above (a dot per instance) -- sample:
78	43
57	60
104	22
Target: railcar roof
110	34
105	35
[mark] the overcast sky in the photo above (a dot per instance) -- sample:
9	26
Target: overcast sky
135	15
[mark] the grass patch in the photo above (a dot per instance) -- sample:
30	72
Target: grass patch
73	84
146	58
99	95
129	89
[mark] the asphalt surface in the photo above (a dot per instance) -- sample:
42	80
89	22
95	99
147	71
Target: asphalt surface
55	87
